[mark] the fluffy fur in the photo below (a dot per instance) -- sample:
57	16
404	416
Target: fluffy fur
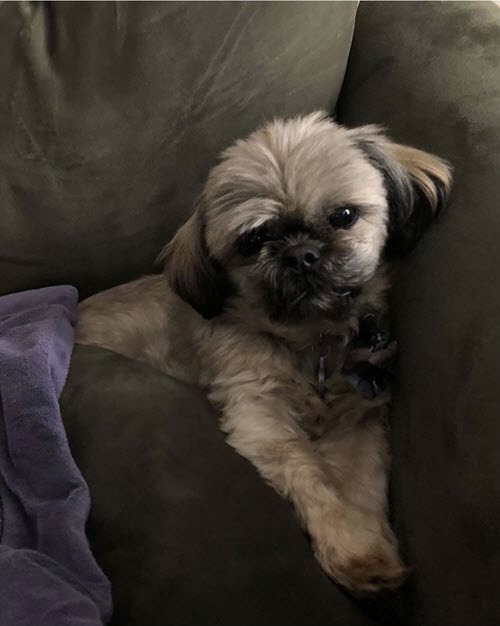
264	265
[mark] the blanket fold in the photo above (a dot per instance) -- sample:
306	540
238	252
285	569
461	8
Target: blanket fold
48	576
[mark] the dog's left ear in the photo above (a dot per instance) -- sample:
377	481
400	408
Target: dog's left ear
417	183
192	273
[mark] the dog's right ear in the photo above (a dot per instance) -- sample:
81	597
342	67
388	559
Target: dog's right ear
196	277
417	184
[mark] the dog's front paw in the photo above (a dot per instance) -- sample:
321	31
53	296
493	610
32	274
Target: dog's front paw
361	555
365	574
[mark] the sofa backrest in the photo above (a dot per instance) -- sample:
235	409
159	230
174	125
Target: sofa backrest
111	115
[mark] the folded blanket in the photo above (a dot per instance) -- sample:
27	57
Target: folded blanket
48	576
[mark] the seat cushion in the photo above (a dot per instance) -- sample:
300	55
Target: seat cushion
112	113
184	527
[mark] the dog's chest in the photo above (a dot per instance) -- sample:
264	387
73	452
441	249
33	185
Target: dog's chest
322	360
320	365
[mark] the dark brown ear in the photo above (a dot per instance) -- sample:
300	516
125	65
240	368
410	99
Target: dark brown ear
196	277
417	182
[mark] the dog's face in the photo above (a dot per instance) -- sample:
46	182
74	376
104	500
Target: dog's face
288	217
297	217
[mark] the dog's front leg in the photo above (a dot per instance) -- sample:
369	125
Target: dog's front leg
264	428
355	450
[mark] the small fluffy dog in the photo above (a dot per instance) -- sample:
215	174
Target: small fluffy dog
263	292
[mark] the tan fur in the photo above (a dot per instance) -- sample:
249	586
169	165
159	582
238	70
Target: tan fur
328	455
421	166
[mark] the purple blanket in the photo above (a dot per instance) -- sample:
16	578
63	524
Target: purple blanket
48	576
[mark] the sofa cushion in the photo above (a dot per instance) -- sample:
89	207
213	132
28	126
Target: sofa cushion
430	72
184	527
111	114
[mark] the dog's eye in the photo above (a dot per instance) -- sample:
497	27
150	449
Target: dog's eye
250	243
344	217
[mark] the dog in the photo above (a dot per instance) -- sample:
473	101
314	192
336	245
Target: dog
288	248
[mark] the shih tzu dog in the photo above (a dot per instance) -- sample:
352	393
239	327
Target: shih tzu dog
269	289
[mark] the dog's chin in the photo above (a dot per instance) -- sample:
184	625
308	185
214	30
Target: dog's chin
296	308
288	297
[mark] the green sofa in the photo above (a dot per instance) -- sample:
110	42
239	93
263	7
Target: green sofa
111	115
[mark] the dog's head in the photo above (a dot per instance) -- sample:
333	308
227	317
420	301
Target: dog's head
301	213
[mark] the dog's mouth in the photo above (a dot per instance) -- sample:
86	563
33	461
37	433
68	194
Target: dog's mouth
291	295
294	303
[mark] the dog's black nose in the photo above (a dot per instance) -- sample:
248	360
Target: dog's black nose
301	256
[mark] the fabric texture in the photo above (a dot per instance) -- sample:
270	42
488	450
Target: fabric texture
48	575
112	113
430	72
185	527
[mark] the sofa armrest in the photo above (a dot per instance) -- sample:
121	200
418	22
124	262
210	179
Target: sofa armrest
430	73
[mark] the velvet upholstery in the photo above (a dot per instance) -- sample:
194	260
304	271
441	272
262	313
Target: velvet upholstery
112	113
